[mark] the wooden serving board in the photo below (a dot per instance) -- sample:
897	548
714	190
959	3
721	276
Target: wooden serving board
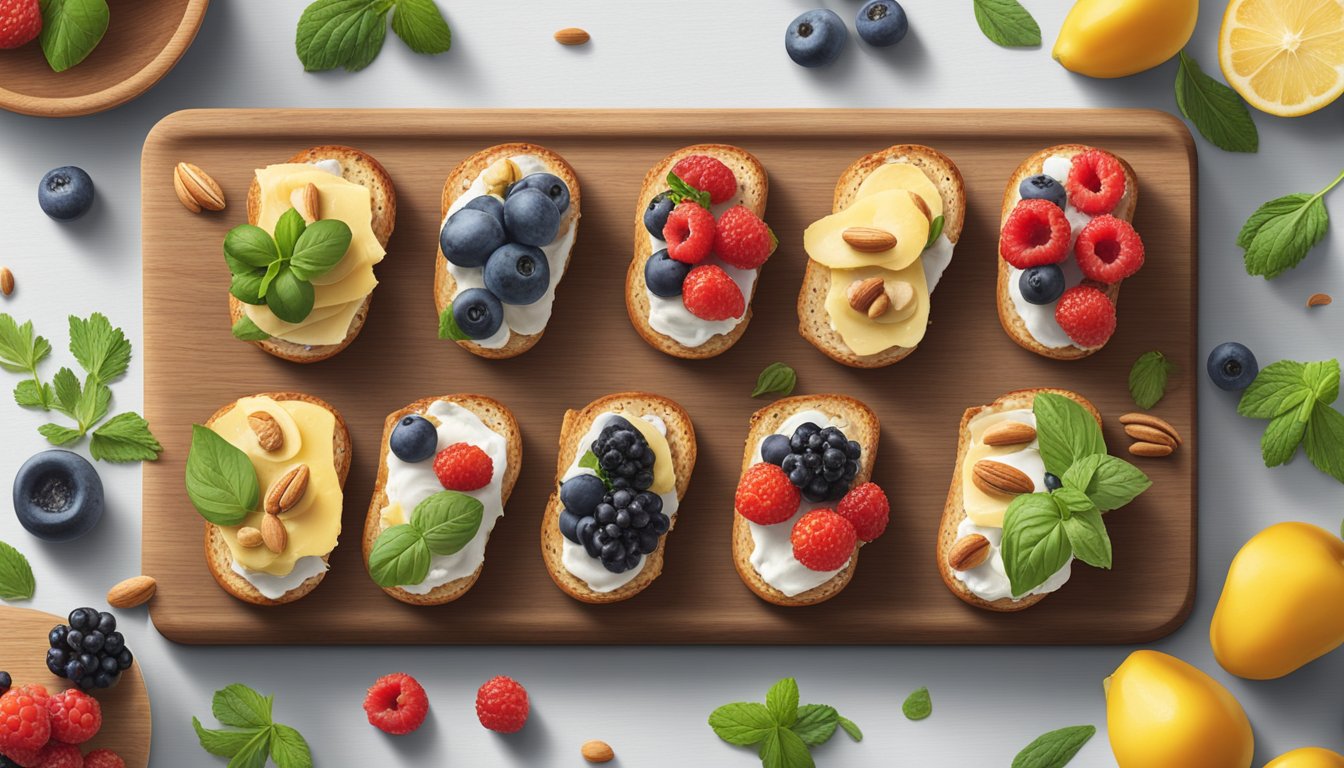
193	365
126	720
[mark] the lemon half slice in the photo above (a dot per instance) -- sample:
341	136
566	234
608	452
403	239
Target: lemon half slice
1285	57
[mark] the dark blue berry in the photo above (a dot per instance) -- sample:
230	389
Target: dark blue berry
73	670
816	38
58	496
881	23
1232	366
548	184
775	449
470	236
655	215
414	439
489	204
531	218
582	493
518	274
1052	482
478	313
664	275
1043	284
569	525
65	193
5	682
1043	187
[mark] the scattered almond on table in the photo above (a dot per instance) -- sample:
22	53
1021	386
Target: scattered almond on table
6	281
572	36
133	592
1153	437
1319	300
196	189
595	751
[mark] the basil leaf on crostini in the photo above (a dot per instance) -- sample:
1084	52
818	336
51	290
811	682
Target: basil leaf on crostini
1034	543
288	229
250	245
290	298
246	330
221	481
320	248
448	520
1109	482
1066	432
400	557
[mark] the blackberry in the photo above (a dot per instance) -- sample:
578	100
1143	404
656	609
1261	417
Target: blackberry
89	651
624	528
624	455
822	463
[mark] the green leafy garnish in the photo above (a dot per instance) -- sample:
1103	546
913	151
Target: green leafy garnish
1148	378
1054	749
935	231
1297	398
278	270
681	191
16	575
448	327
1007	23
256	737
918	705
776	379
1216	111
221	481
589	460
246	330
780	729
124	437
349	33
71	29
1279	234
440	525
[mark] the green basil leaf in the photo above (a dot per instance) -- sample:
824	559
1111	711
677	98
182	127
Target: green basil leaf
1148	378
448	521
246	286
221	481
1324	441
1284	240
1065	432
1216	110
288	229
1268	212
420	24
222	743
1279	388
1007	23
16	575
935	231
103	351
400	557
124	437
1087	535
59	435
782	701
289	749
1109	482
777	378
745	723
321	247
783	748
268	277
1054	749
250	245
341	33
918	705
681	191
290	298
815	723
246	330
851	729
1034	543
71	29
241	707
448	327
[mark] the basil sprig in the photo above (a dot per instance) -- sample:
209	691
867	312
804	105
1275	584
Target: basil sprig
782	732
683	191
776	379
278	270
221	481
440	525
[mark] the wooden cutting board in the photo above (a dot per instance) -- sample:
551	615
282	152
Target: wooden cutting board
193	365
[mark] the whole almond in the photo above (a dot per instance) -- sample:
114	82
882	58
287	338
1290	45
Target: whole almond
863	293
595	751
132	592
249	537
196	190
1146	434
922	206
869	239
968	552
311	199
1150	450
1149	420
273	534
287	492
6	281
267	430
572	36
1319	300
999	479
1009	433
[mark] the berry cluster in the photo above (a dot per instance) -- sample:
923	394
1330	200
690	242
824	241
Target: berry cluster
43	730
89	651
820	462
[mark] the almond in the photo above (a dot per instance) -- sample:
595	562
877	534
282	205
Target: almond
273	534
999	479
286	492
863	294
879	306
869	239
132	592
6	281
1319	300
901	294
968	552
196	189
311	200
1009	433
1150	450
595	751
1150	420
1146	434
249	537
572	36
922	206
267	430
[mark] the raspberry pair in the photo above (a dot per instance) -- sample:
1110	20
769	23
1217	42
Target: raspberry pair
1037	233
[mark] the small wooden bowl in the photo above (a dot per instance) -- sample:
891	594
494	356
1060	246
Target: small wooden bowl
144	41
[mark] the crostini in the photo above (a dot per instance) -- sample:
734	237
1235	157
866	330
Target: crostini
302	268
875	260
1065	245
1004	540
447	468
804	505
510	217
267	474
624	465
700	245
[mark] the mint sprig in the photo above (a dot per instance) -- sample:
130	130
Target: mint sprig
1280	233
1298	400
682	191
1054	749
278	270
16	575
349	34
440	525
1148	378
782	731
1217	111
1007	23
448	327
256	737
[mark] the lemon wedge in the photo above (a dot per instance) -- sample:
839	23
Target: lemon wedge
1285	57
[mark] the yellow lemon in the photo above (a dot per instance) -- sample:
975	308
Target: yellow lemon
1285	57
1308	757
1117	38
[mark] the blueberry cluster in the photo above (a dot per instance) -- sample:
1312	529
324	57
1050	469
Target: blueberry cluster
89	651
822	463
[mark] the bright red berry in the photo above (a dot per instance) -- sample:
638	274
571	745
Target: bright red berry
58	755
103	758
24	758
1087	315
20	22
689	232
765	496
501	705
1096	182
396	704
742	239
710	294
707	174
1036	233
1109	250
823	540
24	722
867	508
75	716
463	467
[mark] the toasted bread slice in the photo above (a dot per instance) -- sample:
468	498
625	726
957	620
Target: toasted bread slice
753	187
360	168
498	419
1012	322
814	323
217	555
681	443
954	511
458	182
861	425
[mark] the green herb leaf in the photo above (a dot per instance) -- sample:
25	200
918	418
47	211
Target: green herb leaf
1087	534
247	286
124	437
288	229
918	705
777	378
1279	388
246	330
20	350
1007	23
290	298
320	248
1324	441
935	231
589	460
1108	481
400	557
783	748
92	404
250	245
420	24
448	327
222	743
851	729
31	393
1054	749
289	749
16	575
782	701
815	723
1148	378
268	276
1217	111
67	388
745	723
681	191
447	521
1288	228
253	754
1065	431
101	349
59	435
221	481
1278	445
1034	543
241	707
341	33
71	29
1322	379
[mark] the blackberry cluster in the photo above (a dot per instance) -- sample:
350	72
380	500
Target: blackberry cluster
625	456
822	463
89	651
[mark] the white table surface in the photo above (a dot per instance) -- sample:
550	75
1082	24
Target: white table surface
988	702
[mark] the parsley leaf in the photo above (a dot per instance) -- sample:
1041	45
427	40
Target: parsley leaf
16	575
349	33
1280	233
1148	378
1217	111
99	348
1007	23
31	393
59	435
124	437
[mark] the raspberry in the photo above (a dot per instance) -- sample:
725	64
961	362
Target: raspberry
742	239
501	705
689	233
20	22
1087	315
710	294
765	496
396	704
103	758
823	540
1036	233
867	508
463	467
707	174
24	758
75	716
1096	182
1109	250
24	723
58	755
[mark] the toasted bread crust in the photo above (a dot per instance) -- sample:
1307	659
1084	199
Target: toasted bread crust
954	511
864	428
454	186
813	321
753	185
682	446
360	168
217	555
1012	322
495	416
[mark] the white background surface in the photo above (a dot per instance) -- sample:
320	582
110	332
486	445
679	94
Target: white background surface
988	703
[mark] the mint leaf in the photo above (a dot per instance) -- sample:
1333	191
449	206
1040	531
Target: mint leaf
448	327
777	378
815	723
289	297
918	705
1108	482
101	349
320	248
221	481
1278	235
1065	432
783	748
92	404
681	191
1054	749
241	707
420	25
65	384
1034	543
249	246
400	557
124	437
589	460
447	521
1322	378
289	749
851	729
1278	388
1324	442
782	701
745	723
341	33
1087	535
1267	212
16	575
1216	111
1279	443
253	753
59	435
1148	378
1007	23
246	330
222	743
71	29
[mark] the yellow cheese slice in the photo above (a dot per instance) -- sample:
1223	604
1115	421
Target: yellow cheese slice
893	211
983	509
866	336
392	515
903	176
664	474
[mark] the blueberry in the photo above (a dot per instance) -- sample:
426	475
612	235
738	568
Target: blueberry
90	662
531	218
812	460
659	523
102	680
1041	285
664	275
86	683
816	38
1043	187
114	643
548	184
65	193
648	541
74	670
414	438
605	513
58	496
107	623
881	23
581	494
586	530
833	458
56	637
655	216
5	682
57	658
489	204
776	449
83	619
470	236
518	274
478	313
1232	366
569	524
817	489
791	462
74	640
853	450
93	642
125	659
